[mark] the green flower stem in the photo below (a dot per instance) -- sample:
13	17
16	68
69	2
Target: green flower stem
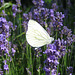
65	59
31	61
27	53
13	67
50	72
20	22
56	34
58	68
38	63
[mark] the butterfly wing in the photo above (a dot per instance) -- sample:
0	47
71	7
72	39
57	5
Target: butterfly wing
36	35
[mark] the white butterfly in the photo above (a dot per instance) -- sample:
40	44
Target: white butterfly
36	35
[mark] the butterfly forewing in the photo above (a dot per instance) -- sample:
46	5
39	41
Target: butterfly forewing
38	28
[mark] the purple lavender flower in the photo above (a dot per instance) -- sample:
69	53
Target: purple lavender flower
13	51
10	24
54	6
38	3
1	72
68	3
52	59
34	2
37	52
25	16
66	31
56	19
14	14
3	19
18	3
25	25
3	13
49	31
14	9
53	72
59	16
47	70
69	40
45	13
69	70
6	67
73	37
2	1
5	61
41	2
30	15
52	13
5	45
60	46
3	26
54	52
36	12
28	71
39	13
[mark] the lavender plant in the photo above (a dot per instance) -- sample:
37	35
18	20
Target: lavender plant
69	70
5	47
54	59
53	22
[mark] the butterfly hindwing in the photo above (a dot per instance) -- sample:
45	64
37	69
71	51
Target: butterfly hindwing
35	39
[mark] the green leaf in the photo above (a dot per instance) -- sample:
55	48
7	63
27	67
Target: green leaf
19	35
6	5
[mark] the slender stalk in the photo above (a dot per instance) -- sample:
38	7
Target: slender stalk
57	68
27	51
65	59
50	72
71	53
31	61
38	63
20	22
13	67
56	34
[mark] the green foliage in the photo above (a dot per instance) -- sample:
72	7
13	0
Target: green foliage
5	6
25	54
